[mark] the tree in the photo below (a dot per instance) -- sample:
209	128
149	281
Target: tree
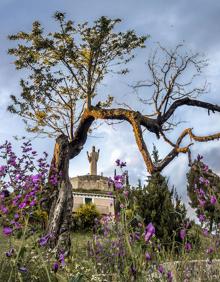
64	71
157	204
202	185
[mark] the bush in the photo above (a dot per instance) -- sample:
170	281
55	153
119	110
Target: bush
85	217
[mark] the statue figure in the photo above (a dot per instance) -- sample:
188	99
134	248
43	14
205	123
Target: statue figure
93	159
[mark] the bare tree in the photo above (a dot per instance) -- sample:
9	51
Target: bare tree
64	70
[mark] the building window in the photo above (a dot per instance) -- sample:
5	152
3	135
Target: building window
88	201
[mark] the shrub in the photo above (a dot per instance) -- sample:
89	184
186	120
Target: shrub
85	217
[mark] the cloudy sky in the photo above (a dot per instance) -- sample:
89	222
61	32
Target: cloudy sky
194	22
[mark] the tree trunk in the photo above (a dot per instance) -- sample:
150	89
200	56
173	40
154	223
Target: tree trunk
60	216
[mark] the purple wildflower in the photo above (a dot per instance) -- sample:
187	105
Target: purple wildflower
22	205
4	210
7	231
210	250
35	178
201	180
16	216
182	234
161	269
147	256
188	247
62	259
149	232
118	181
205	232
55	266
118	162
122	164
202	218
199	157
43	240
9	253
201	202
205	168
169	276
22	269
213	200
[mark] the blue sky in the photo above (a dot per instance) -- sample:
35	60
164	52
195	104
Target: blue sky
170	22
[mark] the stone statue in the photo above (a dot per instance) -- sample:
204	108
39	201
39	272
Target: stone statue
93	159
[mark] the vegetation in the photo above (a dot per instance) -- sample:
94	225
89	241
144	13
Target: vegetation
64	70
203	190
128	247
85	217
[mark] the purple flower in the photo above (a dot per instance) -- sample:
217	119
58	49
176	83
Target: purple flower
18	176
118	185
118	181
4	210
126	193
17	225
188	247
32	203
182	234
202	202
9	253
210	250
16	216
22	205
122	164
201	180
7	231
22	269
149	232
213	200
35	178
169	276
147	256
161	269
43	240
199	157
205	232
202	218
62	259
201	192
55	266
205	168
118	162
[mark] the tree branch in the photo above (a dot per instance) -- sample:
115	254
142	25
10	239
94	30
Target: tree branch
188	102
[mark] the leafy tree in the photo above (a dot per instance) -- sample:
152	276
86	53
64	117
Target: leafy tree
157	204
63	72
203	183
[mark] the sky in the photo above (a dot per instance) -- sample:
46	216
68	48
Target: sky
194	22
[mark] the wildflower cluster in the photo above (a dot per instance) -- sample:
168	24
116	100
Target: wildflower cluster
119	245
23	181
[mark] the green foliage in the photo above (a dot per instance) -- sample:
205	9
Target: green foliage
64	69
156	204
212	212
85	217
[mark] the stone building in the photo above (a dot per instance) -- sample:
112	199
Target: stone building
93	188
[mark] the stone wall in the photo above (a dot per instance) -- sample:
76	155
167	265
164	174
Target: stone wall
91	182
